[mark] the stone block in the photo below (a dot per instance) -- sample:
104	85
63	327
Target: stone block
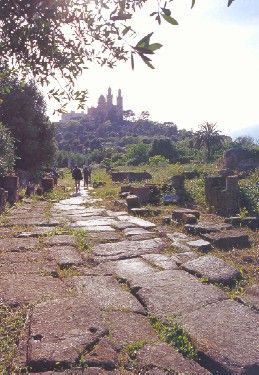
132	202
228	240
189	219
200	245
212	268
178	214
142	192
202	228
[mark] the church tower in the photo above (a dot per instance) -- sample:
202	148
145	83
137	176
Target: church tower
119	105
109	100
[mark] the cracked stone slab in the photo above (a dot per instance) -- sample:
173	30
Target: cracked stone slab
18	289
162	261
66	256
60	330
229	239
172	293
105	292
61	240
127	327
213	268
127	249
228	335
18	245
251	296
137	221
161	356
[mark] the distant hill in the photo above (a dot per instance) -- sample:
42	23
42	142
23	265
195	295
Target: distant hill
251	131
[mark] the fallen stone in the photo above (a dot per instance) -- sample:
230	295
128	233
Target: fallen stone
189	219
18	289
126	328
212	268
200	245
127	249
228	240
172	293
250	222
110	295
202	228
179	213
226	334
164	262
62	329
251	296
161	356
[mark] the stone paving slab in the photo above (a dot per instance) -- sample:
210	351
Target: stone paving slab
181	258
121	225
34	232
86	371
18	244
137	221
104	237
62	329
103	355
200	245
228	335
124	269
18	289
93	222
92	228
65	256
251	296
212	268
161	356
60	240
172	293
110	294
130	232
162	261
127	249
30	221
127	327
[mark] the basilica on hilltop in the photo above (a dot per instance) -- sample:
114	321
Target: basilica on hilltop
104	111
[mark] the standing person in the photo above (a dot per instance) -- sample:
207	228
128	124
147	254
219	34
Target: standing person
87	175
77	176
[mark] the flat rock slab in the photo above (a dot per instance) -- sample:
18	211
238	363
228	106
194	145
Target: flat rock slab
129	232
94	222
61	240
105	292
161	356
202	228
34	232
171	293
18	245
66	256
127	249
181	258
104	237
92	228
161	261
30	221
137	221
121	225
62	329
18	289
86	371
228	240
180	247
200	245
251	296
124	269
212	268
177	236
104	355
228	335
179	213
126	328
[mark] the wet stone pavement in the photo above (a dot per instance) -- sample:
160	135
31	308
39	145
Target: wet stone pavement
88	312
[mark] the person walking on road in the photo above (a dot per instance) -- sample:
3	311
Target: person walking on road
87	175
77	176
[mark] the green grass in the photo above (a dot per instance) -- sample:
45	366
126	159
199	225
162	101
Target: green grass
12	323
173	334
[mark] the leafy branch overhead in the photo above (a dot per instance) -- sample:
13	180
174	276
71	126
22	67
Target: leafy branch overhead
58	39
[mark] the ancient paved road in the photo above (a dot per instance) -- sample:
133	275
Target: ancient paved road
91	308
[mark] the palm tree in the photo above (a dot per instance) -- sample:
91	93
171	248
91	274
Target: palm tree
209	137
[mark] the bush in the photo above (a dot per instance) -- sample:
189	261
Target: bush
138	154
158	161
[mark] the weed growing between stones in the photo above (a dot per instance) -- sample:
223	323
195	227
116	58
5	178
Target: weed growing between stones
133	348
82	240
173	334
69	271
12	322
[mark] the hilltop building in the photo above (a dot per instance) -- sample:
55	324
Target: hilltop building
106	110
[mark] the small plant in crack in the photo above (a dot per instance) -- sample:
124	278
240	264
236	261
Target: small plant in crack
172	333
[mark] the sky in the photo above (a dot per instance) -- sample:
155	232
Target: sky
207	69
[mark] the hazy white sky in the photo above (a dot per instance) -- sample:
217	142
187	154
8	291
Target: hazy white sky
207	70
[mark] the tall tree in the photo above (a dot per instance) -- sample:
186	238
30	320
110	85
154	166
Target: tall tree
7	155
209	137
164	147
23	112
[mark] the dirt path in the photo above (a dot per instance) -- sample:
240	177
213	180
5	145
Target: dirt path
115	304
